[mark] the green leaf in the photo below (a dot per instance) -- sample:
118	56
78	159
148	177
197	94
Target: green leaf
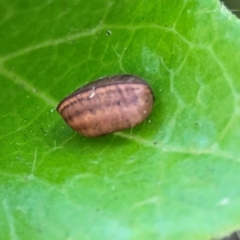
175	176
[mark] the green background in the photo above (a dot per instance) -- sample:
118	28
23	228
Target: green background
175	176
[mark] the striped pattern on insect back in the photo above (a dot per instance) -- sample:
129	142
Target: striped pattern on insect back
107	109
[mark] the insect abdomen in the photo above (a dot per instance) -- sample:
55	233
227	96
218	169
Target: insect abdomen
107	108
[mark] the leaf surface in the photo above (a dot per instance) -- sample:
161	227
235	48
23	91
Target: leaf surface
175	176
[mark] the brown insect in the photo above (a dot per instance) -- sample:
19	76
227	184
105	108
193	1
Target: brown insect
107	105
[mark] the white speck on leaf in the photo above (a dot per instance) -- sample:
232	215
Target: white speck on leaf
223	202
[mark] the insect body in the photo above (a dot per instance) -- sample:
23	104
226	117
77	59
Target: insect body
107	105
